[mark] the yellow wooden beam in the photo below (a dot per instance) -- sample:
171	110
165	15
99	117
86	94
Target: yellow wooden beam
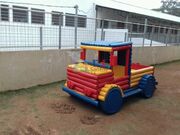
133	72
140	75
98	48
134	84
135	79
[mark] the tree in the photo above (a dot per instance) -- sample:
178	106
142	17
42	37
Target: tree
170	7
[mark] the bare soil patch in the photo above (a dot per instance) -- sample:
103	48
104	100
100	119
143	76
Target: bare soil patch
47	110
25	131
89	119
63	108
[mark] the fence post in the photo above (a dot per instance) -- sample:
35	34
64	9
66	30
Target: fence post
102	30
125	36
0	14
145	29
60	30
177	37
167	38
164	34
95	29
41	38
126	27
127	19
75	25
159	28
152	32
169	35
131	28
138	27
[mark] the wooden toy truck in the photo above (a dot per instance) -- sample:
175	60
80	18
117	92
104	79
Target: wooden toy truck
105	82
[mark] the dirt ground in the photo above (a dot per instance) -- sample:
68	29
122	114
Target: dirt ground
47	110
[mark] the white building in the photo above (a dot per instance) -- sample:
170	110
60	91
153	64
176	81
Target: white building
32	25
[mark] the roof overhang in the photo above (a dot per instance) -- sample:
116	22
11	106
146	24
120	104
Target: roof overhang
137	10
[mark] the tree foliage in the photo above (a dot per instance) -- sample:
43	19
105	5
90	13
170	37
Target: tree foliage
170	7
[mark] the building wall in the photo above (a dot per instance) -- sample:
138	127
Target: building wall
14	34
27	36
30	68
86	6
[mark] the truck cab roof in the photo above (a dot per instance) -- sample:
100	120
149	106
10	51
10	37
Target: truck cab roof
106	44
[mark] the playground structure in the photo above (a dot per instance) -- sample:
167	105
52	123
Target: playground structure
105	82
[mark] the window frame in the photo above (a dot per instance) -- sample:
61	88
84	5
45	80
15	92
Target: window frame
18	9
72	16
85	20
37	11
2	7
59	16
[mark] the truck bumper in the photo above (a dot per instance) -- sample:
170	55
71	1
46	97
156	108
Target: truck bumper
82	97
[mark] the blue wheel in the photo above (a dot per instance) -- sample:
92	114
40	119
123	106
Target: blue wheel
148	85
113	101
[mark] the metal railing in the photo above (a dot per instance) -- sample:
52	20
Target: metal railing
23	29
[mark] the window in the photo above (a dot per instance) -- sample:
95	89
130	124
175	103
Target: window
37	16
141	28
4	12
166	31
134	28
104	57
156	30
172	31
81	21
56	16
106	24
162	30
70	20
175	32
20	14
113	25
122	57
120	25
149	29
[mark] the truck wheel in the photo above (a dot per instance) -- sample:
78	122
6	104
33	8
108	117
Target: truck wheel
148	85
113	101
